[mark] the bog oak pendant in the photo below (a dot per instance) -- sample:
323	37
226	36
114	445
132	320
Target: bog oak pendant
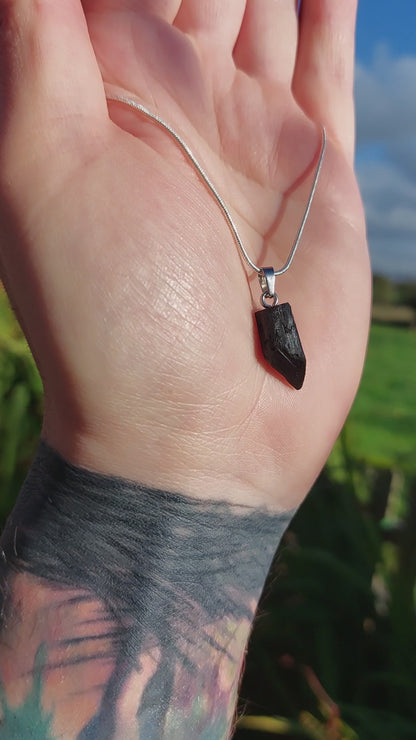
278	334
280	343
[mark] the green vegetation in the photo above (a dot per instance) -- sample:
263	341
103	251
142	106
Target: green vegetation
382	424
21	403
389	293
333	654
335	644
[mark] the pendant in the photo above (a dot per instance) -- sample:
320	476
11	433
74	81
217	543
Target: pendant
279	338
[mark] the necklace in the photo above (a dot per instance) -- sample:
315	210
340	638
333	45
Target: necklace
278	334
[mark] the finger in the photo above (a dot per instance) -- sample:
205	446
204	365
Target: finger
48	68
323	79
165	9
219	19
267	43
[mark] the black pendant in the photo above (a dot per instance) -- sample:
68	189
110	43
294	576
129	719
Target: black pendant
280	343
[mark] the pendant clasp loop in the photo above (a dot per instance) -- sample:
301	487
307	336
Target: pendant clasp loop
267	280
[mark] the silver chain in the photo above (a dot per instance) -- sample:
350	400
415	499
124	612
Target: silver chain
185	148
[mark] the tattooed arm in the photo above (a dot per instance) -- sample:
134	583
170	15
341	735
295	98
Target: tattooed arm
126	609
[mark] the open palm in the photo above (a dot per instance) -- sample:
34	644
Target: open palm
126	277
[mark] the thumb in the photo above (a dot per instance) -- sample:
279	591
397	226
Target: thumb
48	70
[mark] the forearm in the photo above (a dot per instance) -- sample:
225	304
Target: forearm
126	610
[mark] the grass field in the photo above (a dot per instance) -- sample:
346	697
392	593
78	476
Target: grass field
381	428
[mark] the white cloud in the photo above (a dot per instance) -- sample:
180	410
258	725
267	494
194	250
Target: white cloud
385	98
390	200
386	159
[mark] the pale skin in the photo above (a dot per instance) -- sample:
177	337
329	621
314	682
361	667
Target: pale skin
116	234
121	267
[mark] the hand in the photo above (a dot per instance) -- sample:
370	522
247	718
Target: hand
120	265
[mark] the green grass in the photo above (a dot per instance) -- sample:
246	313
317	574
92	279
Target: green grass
381	429
21	404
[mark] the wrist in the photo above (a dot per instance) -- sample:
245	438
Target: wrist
174	580
161	459
225	465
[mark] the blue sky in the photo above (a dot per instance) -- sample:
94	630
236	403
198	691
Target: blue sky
386	131
387	21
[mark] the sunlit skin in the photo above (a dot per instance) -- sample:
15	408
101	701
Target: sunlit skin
123	270
140	315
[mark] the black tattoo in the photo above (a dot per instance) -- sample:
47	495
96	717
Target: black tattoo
163	567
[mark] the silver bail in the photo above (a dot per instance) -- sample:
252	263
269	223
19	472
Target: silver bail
267	280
